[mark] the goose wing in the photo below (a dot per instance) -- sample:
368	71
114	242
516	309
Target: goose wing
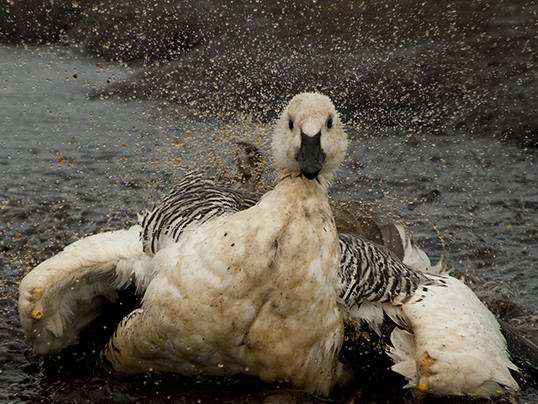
192	202
371	272
63	294
375	283
446	341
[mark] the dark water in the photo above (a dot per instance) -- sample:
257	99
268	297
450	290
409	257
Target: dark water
72	166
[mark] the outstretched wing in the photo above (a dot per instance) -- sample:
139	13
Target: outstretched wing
63	294
452	344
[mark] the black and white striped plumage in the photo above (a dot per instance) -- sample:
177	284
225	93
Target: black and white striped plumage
368	271
193	201
371	272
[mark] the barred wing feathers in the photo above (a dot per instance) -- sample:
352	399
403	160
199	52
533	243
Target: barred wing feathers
371	272
192	202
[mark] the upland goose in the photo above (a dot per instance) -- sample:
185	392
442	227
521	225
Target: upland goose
230	283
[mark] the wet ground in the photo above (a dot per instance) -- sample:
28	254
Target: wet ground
72	166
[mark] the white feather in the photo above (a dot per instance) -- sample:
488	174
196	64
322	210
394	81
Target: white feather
253	292
457	347
66	292
416	258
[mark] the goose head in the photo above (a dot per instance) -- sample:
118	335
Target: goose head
309	140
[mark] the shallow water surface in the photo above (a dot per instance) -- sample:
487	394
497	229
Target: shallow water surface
71	167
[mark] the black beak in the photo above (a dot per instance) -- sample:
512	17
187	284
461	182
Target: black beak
310	156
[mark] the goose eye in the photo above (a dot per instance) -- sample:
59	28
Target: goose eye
330	123
290	124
